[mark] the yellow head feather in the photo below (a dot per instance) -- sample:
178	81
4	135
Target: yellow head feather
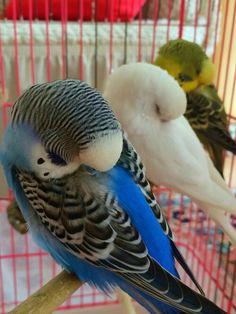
187	63
207	74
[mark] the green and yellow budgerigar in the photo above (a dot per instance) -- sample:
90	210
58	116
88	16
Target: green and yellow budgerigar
190	66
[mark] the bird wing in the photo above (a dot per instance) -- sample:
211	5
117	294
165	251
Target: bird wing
131	161
206	114
101	234
100	231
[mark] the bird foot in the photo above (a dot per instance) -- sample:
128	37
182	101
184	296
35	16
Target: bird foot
16	218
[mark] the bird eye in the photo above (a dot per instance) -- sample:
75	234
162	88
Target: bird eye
56	159
185	77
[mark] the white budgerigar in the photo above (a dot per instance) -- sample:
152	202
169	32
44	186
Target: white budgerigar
150	105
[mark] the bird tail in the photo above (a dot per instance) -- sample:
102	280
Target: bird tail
160	292
185	267
152	305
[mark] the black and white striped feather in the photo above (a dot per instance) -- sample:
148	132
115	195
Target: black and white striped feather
131	161
68	114
92	227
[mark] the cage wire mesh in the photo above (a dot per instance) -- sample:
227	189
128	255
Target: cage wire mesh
47	40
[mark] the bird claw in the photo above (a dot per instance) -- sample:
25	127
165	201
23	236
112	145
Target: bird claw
16	218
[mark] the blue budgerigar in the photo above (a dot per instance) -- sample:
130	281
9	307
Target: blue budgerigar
82	190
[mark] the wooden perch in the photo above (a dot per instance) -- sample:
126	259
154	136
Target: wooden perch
50	296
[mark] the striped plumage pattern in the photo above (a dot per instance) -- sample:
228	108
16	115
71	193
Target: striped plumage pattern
90	224
67	112
207	116
131	161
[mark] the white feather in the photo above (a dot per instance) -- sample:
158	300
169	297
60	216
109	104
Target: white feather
47	170
170	150
143	78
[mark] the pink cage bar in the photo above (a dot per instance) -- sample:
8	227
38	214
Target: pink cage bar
46	40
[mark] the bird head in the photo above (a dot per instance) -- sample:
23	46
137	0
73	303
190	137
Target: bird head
187	63
58	126
144	89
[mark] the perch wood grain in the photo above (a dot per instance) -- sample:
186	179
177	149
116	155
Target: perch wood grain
50	296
